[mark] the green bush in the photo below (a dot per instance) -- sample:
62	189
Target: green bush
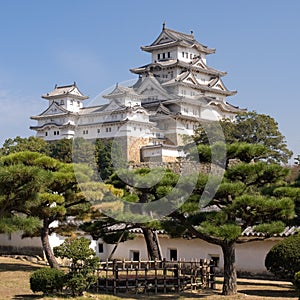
84	262
297	282
283	259
77	284
47	280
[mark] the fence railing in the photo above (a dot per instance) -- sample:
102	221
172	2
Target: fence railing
155	276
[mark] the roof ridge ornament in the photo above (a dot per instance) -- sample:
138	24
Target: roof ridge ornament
164	25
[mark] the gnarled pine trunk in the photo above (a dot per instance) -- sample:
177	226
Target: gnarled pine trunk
152	244
230	277
46	245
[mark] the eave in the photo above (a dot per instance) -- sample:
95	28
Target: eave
199	47
52	125
64	95
179	63
201	88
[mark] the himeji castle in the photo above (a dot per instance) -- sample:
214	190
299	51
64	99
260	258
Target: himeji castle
172	95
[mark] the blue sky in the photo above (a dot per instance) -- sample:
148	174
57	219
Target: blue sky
95	43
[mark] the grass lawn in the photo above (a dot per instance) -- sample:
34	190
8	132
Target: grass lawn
14	284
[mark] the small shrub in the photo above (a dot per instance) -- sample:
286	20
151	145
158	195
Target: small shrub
83	264
283	259
297	282
77	284
47	280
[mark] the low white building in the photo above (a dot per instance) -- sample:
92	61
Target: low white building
250	256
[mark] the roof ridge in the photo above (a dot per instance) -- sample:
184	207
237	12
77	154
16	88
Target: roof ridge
181	33
65	86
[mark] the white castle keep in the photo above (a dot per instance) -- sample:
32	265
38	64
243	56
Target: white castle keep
172	95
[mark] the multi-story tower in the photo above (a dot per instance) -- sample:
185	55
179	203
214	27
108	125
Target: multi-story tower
181	85
59	119
173	94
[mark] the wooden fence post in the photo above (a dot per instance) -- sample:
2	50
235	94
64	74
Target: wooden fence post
212	275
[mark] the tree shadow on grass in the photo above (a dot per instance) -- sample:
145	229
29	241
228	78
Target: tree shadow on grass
174	296
270	293
268	284
27	297
10	267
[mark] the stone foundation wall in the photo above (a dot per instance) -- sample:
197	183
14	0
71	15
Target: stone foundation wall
178	166
134	148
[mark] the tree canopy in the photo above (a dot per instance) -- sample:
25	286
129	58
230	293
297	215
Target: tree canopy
40	188
247	196
251	128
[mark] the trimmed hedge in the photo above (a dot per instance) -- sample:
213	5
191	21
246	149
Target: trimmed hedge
47	280
283	259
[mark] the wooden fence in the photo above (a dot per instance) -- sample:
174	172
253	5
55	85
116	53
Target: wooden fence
155	276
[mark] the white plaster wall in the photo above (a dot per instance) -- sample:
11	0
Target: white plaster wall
173	54
124	249
210	114
190	51
15	240
171	153
249	256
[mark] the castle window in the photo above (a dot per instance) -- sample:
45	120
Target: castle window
56	132
191	55
108	129
62	102
186	55
182	54
158	56
169	54
100	248
215	258
46	133
164	55
134	255
173	254
85	131
98	130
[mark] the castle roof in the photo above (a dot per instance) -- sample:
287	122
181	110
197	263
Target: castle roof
196	64
120	91
188	79
169	37
65	90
